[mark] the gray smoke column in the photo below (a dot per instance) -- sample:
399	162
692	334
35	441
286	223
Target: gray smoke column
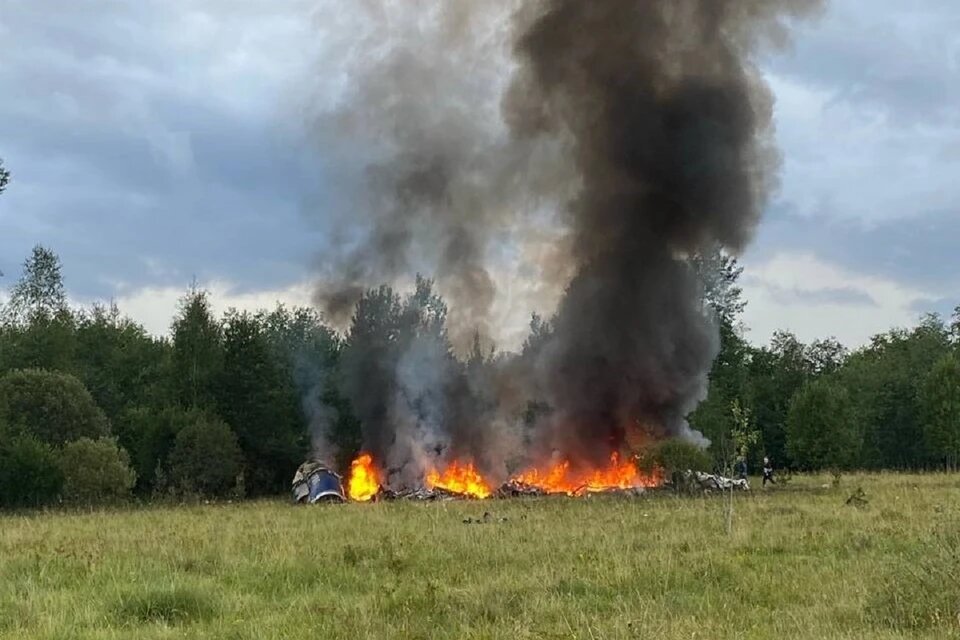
638	131
670	126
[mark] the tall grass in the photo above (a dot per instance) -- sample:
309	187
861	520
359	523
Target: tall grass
799	563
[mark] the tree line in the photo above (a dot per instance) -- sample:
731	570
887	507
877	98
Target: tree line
891	404
95	409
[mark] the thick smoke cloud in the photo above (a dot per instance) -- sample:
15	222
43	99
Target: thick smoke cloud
638	132
671	136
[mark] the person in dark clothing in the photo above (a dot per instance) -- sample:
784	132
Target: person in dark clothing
741	468
768	472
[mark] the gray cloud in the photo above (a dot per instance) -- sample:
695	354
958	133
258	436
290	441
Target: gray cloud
149	146
901	59
944	307
920	251
847	296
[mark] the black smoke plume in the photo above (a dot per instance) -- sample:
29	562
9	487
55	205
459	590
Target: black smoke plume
637	133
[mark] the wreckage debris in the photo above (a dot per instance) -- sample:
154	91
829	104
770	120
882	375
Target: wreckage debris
857	499
487	518
627	492
422	494
516	488
314	482
693	481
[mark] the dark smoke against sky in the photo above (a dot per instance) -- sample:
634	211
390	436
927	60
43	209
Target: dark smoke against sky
622	135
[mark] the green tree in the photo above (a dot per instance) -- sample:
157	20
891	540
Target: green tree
307	352
206	458
51	406
30	475
821	430
37	329
675	455
540	332
39	293
4	177
369	362
719	274
940	405
826	356
884	381
729	377
95	472
148	434
744	435
258	400
119	362
955	326
775	374
197	351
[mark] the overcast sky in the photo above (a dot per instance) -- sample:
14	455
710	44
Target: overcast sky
158	141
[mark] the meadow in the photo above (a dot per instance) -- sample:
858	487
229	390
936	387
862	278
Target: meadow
798	563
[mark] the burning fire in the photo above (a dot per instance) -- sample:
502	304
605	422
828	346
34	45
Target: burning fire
463	478
364	480
460	478
561	478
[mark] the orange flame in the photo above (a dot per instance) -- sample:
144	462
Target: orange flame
560	478
460	478
364	480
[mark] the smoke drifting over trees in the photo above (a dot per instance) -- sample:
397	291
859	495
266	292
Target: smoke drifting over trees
626	136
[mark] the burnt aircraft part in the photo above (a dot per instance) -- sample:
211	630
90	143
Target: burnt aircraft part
315	483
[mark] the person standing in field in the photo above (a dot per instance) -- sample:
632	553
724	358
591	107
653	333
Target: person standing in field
741	468
768	472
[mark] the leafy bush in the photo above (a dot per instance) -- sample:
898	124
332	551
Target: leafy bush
96	472
206	458
676	455
29	473
53	407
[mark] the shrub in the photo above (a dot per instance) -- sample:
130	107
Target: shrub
29	473
53	407
206	458
96	472
677	455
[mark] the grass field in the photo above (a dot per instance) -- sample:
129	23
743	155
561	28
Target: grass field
799	563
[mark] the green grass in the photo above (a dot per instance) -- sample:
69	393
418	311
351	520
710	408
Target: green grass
798	564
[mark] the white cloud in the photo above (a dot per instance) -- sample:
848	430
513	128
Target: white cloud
806	295
155	307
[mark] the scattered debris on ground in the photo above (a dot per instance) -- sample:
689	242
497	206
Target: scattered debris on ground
422	494
516	488
858	498
627	492
315	482
488	518
695	481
